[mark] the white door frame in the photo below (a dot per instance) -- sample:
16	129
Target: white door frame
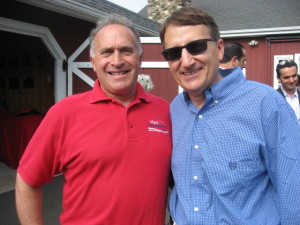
51	44
297	60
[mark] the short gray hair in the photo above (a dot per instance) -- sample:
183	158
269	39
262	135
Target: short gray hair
114	19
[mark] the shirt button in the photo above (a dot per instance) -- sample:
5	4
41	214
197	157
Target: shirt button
200	116
195	177
216	101
196	146
130	125
196	209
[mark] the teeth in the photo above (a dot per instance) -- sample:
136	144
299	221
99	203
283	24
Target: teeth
187	74
119	73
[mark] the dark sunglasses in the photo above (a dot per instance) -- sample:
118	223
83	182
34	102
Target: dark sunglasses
194	48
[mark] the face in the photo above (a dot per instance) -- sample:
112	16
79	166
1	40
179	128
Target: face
194	73
242	62
288	78
116	61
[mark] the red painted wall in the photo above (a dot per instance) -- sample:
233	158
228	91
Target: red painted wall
260	58
70	33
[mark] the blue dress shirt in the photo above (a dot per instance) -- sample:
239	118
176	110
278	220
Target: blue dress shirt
236	160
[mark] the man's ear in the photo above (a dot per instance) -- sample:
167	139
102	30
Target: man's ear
141	58
220	49
278	78
92	62
234	61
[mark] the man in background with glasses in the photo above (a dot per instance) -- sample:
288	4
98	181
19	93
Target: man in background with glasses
236	145
288	77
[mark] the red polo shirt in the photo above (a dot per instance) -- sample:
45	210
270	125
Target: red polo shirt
115	159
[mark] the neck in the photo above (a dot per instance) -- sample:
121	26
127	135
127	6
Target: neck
198	100
124	99
290	92
228	65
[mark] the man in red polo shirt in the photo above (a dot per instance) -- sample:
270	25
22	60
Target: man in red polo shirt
113	143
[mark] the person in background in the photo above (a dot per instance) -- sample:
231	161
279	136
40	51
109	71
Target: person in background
112	144
235	156
288	77
234	55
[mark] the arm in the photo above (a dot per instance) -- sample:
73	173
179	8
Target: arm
282	135
28	203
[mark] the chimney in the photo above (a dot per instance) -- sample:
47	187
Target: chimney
158	10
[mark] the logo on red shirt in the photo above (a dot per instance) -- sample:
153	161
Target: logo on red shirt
157	126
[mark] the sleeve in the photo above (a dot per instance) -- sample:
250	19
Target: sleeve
41	160
282	136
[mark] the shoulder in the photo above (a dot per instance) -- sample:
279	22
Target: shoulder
259	88
263	95
70	103
179	99
178	102
156	100
280	91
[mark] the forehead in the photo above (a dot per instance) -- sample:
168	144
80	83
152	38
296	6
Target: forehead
115	34
288	71
177	35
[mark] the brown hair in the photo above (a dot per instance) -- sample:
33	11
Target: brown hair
190	16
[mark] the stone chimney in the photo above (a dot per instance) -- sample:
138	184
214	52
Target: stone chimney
158	10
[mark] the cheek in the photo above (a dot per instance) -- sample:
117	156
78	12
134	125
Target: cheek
174	67
100	65
136	61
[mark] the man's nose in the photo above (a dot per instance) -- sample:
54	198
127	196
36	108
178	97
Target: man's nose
186	57
116	59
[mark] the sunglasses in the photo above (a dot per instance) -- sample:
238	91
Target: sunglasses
194	48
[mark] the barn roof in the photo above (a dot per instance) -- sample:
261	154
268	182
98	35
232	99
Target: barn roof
252	14
92	10
236	18
252	17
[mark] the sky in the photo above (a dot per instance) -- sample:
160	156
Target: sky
133	5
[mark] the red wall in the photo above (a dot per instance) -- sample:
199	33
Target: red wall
260	58
70	33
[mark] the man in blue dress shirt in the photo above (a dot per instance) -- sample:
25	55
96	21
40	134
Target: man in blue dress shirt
236	143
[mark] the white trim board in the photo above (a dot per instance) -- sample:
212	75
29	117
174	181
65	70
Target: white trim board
51	44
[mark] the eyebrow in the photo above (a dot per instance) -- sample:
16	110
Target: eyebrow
286	77
121	49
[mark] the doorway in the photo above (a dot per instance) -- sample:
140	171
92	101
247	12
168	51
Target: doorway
26	73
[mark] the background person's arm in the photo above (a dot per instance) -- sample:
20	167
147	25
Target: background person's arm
28	203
